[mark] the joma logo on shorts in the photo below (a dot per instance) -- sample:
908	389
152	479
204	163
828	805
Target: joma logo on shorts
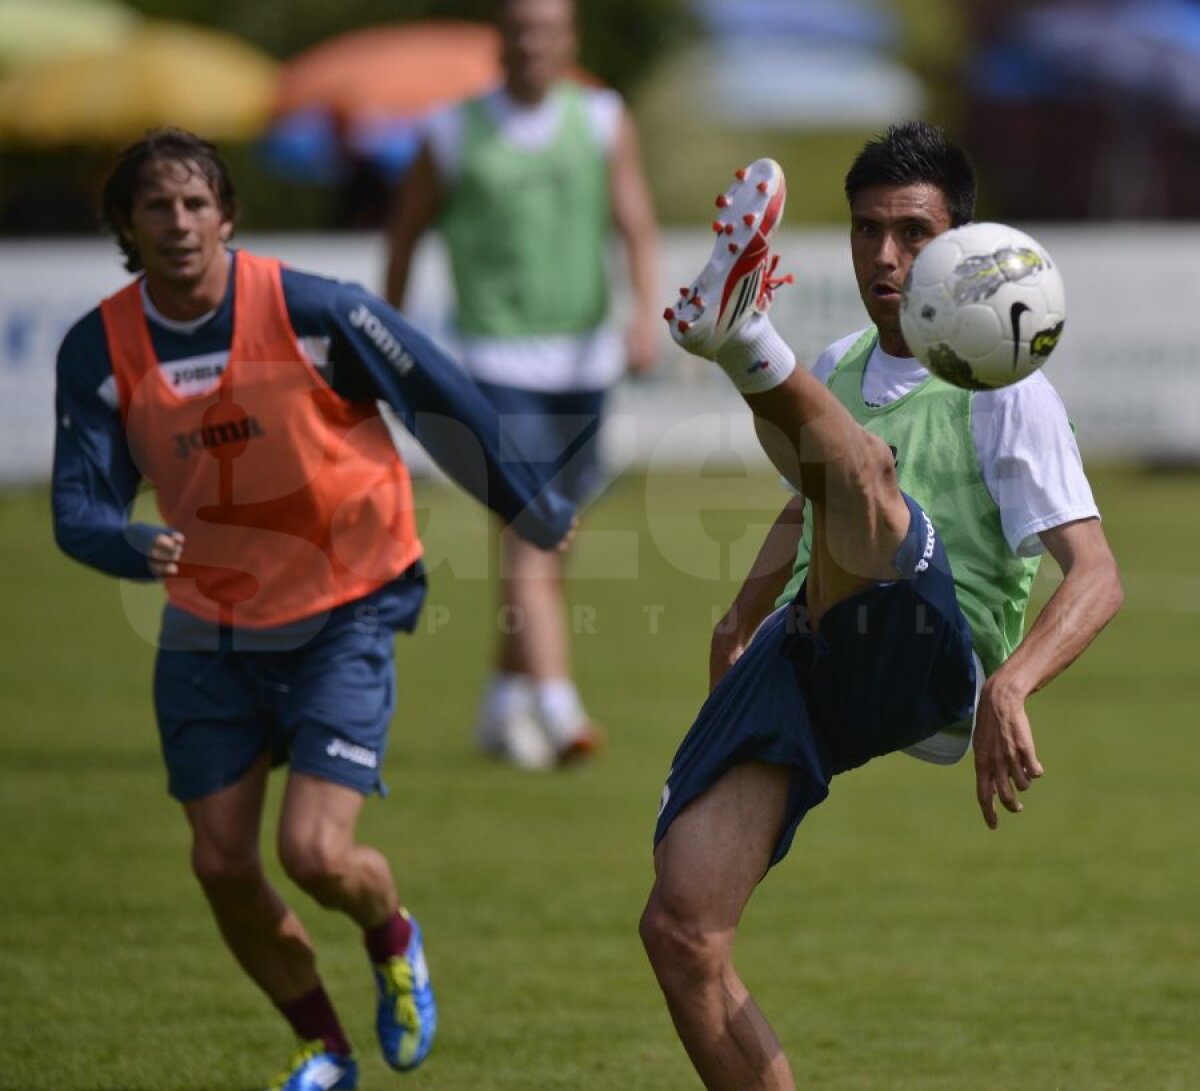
360	755
665	798
930	541
217	435
362	318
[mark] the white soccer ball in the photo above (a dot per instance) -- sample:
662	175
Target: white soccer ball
983	306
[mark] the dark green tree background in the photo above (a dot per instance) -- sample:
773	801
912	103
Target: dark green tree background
622	39
56	191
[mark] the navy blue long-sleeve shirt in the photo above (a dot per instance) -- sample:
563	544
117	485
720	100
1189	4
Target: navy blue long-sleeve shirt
365	351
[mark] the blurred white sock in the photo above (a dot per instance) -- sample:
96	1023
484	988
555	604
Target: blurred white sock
559	710
507	727
508	695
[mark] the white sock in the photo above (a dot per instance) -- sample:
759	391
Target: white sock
506	727
507	697
558	707
755	357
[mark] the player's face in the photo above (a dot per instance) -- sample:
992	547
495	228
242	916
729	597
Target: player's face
537	45
889	227
177	224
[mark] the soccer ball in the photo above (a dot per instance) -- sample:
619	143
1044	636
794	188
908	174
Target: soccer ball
983	306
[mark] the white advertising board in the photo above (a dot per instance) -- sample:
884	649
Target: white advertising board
1126	366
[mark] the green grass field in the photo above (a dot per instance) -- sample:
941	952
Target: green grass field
901	945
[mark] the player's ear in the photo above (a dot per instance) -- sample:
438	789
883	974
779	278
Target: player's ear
124	231
226	232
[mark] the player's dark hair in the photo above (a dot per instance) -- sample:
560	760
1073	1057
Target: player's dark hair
122	184
915	152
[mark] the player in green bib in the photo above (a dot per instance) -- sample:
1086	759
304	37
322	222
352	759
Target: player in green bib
527	185
911	545
928	429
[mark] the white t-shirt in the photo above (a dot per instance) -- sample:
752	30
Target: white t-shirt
524	126
592	361
1027	452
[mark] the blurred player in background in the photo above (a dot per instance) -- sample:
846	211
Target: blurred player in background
247	394
524	185
876	645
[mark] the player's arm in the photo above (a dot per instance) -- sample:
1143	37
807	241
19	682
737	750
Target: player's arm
94	479
767	578
416	206
633	214
1086	600
379	353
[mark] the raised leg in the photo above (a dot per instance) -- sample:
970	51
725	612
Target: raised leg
859	514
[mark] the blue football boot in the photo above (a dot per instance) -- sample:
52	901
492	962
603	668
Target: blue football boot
406	1017
314	1068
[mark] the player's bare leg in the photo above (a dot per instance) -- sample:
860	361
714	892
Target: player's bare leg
265	936
706	867
859	515
320	853
319	850
534	637
535	645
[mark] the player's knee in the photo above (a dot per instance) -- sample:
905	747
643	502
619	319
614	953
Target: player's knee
873	468
314	864
678	945
220	871
866	515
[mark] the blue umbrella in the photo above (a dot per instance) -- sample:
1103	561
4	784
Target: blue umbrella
306	146
1145	51
845	22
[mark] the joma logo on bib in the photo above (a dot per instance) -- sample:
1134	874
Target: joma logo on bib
209	436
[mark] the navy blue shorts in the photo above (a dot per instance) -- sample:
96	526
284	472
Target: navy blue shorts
557	432
323	707
889	666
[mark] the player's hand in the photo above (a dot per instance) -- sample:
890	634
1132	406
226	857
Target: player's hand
165	551
641	344
1005	759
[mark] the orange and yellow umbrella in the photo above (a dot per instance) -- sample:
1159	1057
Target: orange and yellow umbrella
398	70
35	30
161	73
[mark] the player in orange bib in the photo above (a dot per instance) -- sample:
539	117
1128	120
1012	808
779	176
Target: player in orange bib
246	393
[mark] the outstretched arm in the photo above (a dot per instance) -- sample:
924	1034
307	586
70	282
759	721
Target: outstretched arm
439	403
1083	604
633	214
767	578
414	210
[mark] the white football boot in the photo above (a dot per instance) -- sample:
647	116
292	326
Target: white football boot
738	281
